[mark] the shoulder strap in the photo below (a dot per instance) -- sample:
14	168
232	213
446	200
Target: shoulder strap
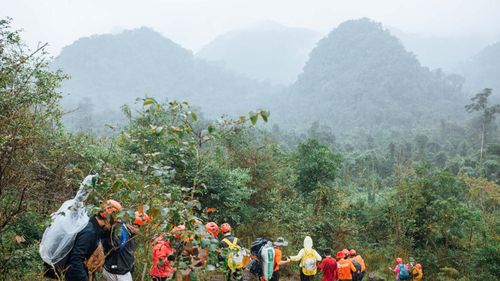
228	242
124	237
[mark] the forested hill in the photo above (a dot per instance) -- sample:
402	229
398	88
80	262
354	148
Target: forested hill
483	70
361	76
267	51
108	71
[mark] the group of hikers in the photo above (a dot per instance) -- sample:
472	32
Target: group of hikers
108	243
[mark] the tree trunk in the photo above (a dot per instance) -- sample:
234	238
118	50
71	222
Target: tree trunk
482	143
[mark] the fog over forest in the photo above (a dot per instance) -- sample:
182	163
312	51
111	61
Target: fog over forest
359	73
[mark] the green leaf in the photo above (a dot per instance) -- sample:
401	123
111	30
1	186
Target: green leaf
194	116
253	118
265	115
148	101
210	129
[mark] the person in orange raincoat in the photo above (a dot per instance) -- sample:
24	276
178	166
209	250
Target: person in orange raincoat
345	267
163	257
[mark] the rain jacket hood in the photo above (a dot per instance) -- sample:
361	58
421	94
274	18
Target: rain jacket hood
308	243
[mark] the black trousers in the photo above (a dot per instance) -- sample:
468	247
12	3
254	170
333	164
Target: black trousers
276	276
304	277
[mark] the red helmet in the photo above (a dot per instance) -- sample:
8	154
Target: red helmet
112	206
109	209
352	252
399	260
141	218
419	266
225	227
340	255
346	252
212	228
178	230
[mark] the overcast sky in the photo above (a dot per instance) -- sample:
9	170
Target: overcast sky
193	23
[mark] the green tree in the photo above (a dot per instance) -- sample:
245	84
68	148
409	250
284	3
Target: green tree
29	117
315	164
488	114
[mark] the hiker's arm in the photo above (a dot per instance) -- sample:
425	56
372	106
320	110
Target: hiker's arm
284	262
317	256
298	257
320	267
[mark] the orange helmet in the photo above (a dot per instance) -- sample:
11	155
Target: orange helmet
352	252
399	260
418	266
212	228
340	255
112	206
225	227
141	218
178	230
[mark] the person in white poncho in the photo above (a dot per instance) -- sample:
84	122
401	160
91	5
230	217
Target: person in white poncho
308	258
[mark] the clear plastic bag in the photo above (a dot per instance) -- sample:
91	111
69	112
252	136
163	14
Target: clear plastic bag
59	237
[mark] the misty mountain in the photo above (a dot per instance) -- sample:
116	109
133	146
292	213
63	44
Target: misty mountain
483	70
268	51
110	70
360	76
440	52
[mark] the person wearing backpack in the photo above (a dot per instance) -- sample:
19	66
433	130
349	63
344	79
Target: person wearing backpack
87	242
119	262
278	246
417	273
345	266
357	259
401	270
329	267
308	258
236	258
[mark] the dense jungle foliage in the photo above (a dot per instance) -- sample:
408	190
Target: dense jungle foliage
432	194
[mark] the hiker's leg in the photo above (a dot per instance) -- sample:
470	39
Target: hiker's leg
276	276
125	277
303	277
109	276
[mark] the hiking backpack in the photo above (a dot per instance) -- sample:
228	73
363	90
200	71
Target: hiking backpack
267	257
59	237
357	274
263	266
237	257
403	272
310	263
